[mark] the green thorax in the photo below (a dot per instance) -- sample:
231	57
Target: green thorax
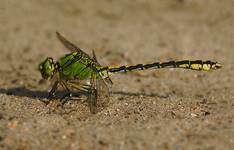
75	66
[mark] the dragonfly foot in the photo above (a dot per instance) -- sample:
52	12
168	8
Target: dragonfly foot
51	96
65	98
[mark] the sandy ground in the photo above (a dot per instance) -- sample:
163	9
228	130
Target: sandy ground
162	109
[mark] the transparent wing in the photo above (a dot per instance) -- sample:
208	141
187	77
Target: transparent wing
92	95
98	95
70	46
101	86
103	93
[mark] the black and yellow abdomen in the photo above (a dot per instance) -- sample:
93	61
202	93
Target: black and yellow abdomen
185	64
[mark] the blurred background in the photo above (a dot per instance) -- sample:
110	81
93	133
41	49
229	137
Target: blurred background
189	110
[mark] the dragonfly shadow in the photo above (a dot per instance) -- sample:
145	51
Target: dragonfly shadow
24	92
139	94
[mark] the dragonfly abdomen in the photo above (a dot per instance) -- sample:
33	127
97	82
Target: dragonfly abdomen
185	64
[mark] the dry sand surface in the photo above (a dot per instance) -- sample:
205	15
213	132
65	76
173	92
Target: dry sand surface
162	109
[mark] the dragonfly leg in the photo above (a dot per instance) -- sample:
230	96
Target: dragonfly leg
90	90
65	98
69	94
52	91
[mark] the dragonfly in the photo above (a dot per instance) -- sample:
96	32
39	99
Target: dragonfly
79	71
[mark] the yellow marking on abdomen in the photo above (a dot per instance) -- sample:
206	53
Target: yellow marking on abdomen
196	66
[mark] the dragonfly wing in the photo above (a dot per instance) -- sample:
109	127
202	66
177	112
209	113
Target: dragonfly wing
98	97
94	57
70	46
92	94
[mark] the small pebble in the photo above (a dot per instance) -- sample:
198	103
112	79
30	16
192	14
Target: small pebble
64	137
193	115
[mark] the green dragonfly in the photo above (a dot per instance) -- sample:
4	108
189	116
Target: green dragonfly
78	71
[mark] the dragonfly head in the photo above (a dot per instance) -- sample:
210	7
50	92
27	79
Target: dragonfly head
47	68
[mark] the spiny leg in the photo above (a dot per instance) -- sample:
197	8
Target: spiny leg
52	91
78	86
66	96
51	94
